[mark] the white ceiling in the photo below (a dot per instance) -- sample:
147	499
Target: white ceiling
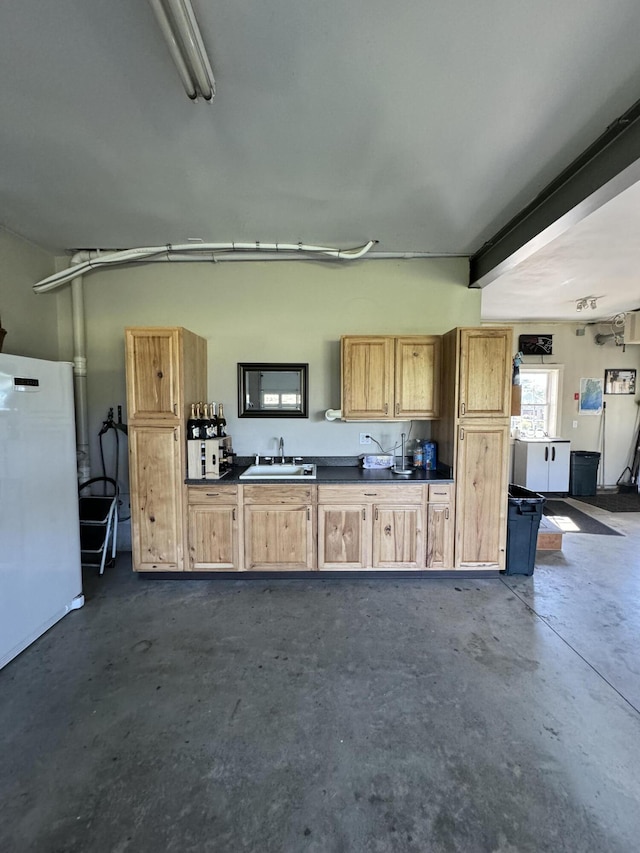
426	126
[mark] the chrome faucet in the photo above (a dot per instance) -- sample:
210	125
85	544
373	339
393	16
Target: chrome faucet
281	449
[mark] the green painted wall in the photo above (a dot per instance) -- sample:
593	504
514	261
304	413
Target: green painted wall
31	321
273	311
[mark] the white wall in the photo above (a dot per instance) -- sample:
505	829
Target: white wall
582	359
31	321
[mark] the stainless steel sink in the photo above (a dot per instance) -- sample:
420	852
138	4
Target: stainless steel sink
279	471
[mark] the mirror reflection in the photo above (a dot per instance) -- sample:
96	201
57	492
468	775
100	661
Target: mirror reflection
272	390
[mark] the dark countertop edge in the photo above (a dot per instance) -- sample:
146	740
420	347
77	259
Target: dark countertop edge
338	474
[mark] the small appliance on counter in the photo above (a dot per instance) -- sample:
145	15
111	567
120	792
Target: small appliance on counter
209	459
377	460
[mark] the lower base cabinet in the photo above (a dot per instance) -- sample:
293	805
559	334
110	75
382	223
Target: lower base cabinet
364	528
440	527
301	528
279	528
213	521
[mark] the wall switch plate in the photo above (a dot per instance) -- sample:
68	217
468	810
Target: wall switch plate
365	438
575	424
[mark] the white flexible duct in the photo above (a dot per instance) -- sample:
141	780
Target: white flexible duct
173	251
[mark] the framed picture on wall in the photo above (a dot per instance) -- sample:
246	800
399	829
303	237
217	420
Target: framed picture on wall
590	402
619	381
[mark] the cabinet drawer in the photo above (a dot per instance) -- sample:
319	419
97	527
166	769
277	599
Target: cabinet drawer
212	494
441	493
269	494
386	494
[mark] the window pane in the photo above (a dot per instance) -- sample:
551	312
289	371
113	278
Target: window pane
535	388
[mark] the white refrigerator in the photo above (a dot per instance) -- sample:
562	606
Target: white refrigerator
40	574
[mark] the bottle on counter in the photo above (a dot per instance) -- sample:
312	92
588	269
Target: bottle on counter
205	422
418	457
222	424
193	426
210	421
430	455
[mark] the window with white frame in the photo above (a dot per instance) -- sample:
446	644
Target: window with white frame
540	404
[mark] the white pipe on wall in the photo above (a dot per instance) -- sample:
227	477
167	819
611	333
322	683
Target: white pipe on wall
98	259
80	379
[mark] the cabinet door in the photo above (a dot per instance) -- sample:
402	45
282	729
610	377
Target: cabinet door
398	537
278	537
538	456
485	373
559	457
213	538
343	535
367	378
417	377
481	495
152	362
155	474
440	537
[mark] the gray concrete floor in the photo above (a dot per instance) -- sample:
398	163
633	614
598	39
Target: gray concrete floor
335	715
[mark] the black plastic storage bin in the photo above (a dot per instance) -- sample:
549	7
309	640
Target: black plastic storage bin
523	521
583	473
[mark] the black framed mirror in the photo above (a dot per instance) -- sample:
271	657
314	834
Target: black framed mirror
273	390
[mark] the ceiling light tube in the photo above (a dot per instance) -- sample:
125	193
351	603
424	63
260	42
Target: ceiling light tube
174	48
180	29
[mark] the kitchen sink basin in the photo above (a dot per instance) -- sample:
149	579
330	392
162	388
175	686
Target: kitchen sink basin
278	471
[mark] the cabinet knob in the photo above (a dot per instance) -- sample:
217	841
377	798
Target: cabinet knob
463	408
386	408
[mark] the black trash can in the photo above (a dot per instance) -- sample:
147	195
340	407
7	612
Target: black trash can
583	473
523	521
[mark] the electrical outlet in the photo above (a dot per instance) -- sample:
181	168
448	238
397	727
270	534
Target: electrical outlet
365	438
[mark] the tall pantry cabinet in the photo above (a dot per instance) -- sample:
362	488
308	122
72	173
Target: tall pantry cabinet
166	371
473	437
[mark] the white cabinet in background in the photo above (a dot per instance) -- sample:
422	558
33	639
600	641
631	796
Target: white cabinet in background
542	464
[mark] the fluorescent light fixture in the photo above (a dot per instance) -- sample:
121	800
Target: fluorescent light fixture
181	32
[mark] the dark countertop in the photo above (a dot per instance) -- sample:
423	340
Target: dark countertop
337	474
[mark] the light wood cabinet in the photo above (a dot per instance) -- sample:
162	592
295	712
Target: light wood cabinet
166	371
440	526
398	537
155	479
482	488
484	386
344	534
473	438
390	378
371	527
279	528
213	522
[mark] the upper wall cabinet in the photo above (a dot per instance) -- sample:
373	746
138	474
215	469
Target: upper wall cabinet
485	373
166	372
390	378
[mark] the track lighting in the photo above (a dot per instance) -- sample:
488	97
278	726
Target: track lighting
587	302
180	29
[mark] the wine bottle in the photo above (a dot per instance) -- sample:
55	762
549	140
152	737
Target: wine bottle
222	424
211	426
205	424
193	427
